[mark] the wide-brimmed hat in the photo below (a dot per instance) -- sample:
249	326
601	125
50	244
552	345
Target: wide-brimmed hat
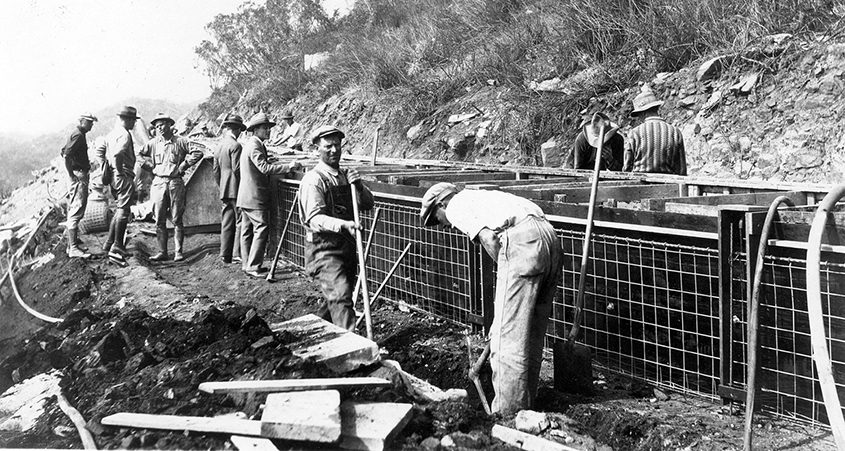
287	114
129	112
162	117
234	121
325	130
645	100
259	119
435	194
88	116
592	129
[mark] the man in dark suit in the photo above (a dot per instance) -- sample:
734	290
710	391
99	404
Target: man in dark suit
254	193
227	168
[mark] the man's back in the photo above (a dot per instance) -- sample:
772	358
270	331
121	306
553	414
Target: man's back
655	146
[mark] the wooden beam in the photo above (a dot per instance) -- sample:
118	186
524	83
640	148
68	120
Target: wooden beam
427	181
371	426
312	416
523	440
764	199
184	423
289	385
623	193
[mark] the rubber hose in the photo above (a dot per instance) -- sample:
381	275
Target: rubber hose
754	320
814	309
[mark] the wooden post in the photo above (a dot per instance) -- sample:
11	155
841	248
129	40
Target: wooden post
375	146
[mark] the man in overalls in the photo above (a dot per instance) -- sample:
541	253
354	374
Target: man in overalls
514	232
325	208
168	156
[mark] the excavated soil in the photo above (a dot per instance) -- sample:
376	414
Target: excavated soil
142	338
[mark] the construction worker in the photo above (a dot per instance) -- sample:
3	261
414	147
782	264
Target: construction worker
515	233
291	136
120	156
75	153
654	145
325	208
167	157
584	148
254	193
227	167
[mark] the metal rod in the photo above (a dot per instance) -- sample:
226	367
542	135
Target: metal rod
366	253
387	278
282	238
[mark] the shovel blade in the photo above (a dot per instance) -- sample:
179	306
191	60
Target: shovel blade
573	367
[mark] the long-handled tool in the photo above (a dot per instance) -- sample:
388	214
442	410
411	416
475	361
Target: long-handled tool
366	252
474	369
293	208
362	264
393	269
573	361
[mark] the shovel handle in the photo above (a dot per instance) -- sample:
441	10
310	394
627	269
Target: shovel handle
362	264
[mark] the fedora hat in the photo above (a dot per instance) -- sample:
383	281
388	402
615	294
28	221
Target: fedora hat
163	117
259	119
129	112
325	130
234	121
287	114
435	194
592	129
645	100
88	116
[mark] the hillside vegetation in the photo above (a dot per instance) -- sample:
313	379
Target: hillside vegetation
417	55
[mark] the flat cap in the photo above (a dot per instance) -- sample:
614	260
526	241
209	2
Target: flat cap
435	194
325	130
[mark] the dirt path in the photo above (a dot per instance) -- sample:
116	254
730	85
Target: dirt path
142	338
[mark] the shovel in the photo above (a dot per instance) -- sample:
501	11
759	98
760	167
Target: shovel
474	369
573	361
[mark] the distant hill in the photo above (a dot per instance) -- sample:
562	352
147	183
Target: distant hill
21	155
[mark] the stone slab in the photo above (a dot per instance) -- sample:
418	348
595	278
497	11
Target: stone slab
371	426
312	416
322	341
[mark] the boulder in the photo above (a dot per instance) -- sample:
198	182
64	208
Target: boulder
552	154
531	422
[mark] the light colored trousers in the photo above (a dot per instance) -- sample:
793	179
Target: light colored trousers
78	199
168	195
529	267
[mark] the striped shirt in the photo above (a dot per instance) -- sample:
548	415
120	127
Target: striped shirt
655	146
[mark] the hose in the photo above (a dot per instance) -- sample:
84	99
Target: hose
23	304
814	309
754	320
77	420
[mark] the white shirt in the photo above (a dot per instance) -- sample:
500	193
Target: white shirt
471	210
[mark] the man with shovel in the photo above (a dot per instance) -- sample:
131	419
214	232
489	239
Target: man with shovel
326	211
514	232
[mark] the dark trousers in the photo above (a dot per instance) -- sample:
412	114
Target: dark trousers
230	230
332	261
253	238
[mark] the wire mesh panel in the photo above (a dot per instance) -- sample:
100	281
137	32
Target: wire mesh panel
651	308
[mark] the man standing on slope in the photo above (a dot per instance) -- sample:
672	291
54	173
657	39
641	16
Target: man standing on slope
325	207
168	157
75	153
654	145
254	193
227	172
517	235
120	154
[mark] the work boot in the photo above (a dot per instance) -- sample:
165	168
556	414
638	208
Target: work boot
73	251
161	237
110	239
179	239
80	244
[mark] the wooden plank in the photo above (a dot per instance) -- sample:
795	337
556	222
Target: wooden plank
184	423
536	181
322	341
692	209
312	416
427	181
523	440
244	443
764	198
623	193
289	385
371	426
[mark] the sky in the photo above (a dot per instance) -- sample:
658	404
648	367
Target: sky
60	58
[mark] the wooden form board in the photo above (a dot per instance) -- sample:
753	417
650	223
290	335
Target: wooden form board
312	416
289	385
337	348
427	180
184	423
371	426
623	193
764	199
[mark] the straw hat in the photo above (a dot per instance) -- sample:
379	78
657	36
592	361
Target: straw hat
162	117
88	116
645	100
592	129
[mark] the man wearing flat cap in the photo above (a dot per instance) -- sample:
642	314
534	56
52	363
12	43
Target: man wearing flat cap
326	211
514	232
120	157
655	145
586	145
254	193
167	157
75	153
227	171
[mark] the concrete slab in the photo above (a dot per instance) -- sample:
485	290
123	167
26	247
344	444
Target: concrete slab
371	426
312	416
244	443
337	348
